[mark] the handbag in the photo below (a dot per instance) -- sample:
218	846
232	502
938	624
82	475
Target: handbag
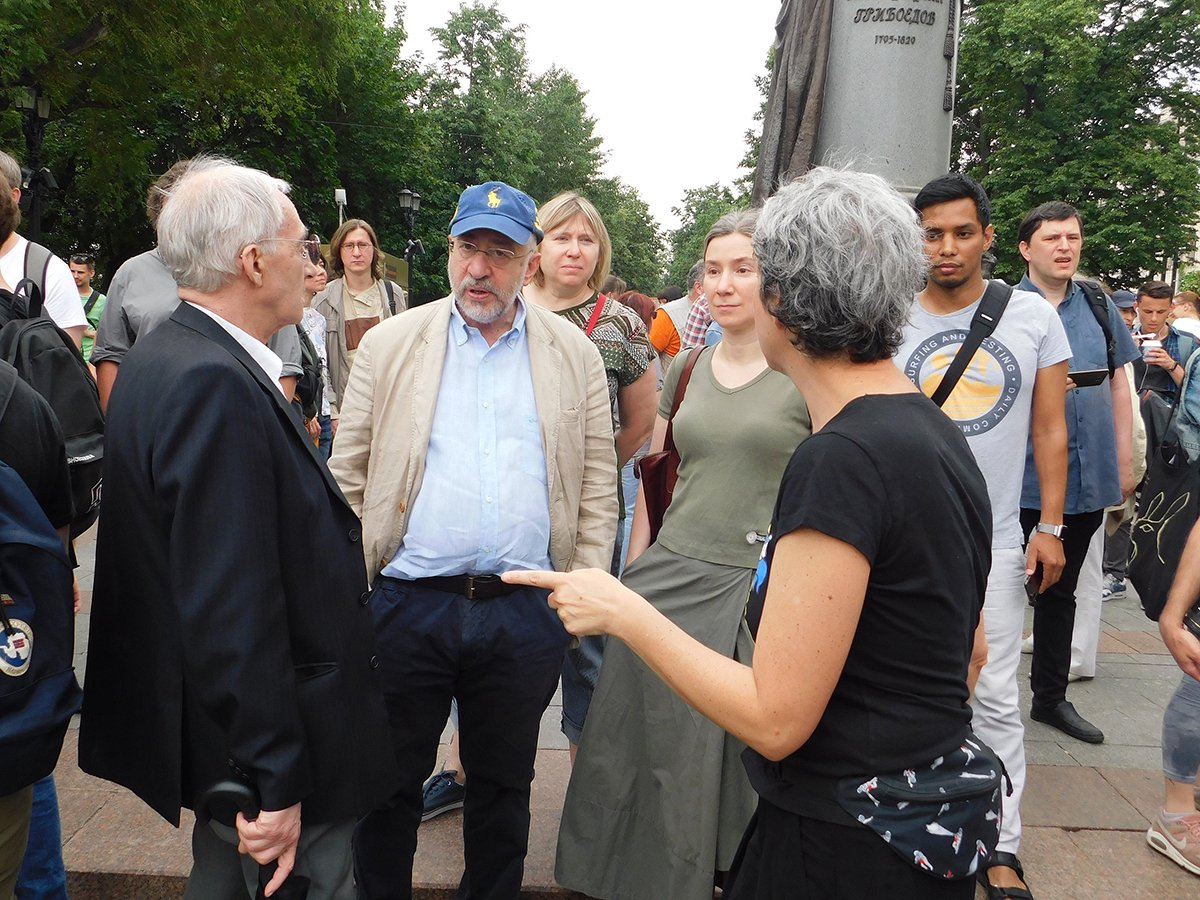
942	818
1167	510
659	471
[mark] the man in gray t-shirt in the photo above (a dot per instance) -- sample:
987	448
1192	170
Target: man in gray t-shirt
1010	395
142	295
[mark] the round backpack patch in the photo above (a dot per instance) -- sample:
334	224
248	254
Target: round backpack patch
16	648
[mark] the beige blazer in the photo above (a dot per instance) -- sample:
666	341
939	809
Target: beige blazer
387	415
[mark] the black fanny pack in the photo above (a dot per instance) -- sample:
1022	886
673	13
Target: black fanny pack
942	817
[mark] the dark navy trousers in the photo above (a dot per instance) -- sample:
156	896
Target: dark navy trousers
501	659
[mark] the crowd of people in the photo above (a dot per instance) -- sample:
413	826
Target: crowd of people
330	522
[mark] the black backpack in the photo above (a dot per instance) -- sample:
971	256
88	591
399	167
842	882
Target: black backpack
310	383
38	690
48	360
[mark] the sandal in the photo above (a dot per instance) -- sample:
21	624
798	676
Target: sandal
995	892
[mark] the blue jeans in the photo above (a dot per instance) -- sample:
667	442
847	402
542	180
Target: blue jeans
43	876
500	658
325	442
1181	733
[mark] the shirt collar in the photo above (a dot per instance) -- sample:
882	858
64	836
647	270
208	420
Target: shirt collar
271	364
1026	284
461	332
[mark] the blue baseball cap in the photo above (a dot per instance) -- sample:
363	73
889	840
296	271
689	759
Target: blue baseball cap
1124	299
497	207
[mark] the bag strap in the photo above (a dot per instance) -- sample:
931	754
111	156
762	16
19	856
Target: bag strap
597	311
91	301
37	257
1098	301
680	389
986	318
391	295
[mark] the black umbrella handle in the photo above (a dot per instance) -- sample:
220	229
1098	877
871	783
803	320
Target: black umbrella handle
223	801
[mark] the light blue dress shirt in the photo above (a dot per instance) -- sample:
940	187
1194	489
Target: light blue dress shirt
483	506
1093	480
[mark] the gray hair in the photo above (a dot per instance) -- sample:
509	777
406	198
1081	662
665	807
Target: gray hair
213	211
695	273
11	170
840	255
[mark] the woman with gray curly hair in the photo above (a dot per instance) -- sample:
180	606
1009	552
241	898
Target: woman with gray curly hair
868	592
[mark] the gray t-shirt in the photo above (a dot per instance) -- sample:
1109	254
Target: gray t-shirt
142	295
993	401
733	447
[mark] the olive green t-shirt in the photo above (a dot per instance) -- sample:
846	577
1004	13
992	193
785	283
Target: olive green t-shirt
733	447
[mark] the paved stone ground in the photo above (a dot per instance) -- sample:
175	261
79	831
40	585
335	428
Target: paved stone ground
1086	807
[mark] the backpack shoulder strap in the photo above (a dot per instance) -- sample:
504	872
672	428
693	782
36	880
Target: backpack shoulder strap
391	295
37	269
984	322
1098	301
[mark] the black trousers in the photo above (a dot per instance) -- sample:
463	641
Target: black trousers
785	856
1054	612
501	659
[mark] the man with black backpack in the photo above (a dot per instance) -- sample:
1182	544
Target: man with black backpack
995	360
1099	450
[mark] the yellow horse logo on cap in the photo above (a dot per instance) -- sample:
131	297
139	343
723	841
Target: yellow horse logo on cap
493	199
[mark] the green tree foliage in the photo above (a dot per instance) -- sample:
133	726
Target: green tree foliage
315	91
1094	103
637	242
501	122
701	207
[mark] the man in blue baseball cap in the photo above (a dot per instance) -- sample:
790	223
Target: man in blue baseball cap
475	438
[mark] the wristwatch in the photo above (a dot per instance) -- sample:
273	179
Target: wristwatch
1056	530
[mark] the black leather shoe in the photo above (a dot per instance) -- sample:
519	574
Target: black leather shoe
1064	717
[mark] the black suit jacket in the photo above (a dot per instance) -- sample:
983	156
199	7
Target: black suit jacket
230	632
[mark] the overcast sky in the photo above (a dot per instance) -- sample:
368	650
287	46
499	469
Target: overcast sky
671	86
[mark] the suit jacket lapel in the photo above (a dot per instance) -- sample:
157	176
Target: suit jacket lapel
192	318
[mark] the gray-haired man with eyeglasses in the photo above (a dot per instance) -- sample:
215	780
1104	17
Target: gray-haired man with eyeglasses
475	438
229	647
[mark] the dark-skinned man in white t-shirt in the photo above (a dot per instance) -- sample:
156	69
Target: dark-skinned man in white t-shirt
1011	392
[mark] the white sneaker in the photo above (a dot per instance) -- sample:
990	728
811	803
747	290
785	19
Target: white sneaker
1179	842
1027	645
1113	588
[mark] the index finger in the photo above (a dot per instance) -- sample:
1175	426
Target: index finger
284	866
539	578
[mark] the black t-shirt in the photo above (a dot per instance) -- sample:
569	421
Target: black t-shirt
32	443
893	477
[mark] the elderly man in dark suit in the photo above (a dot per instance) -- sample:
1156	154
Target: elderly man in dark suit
230	637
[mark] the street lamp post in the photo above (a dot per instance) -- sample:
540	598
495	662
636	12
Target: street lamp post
410	205
37	112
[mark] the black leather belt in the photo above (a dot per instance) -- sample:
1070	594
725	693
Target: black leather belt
473	587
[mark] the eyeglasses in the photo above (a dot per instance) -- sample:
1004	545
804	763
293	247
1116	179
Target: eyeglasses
310	247
466	251
81	259
360	246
